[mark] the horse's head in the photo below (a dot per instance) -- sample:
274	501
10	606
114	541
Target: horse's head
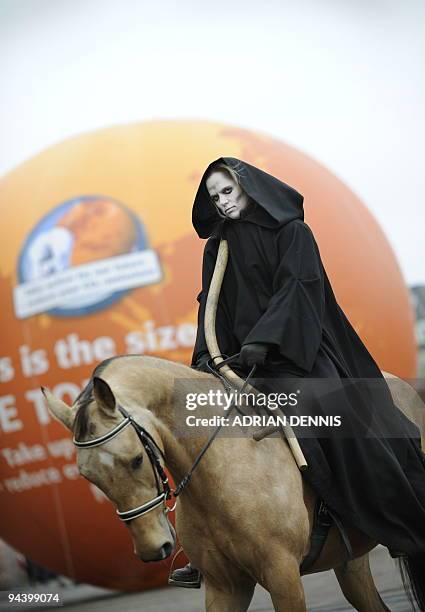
122	466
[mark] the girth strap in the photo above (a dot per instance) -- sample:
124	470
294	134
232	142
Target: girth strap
322	522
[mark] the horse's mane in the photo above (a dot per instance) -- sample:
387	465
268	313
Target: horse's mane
81	422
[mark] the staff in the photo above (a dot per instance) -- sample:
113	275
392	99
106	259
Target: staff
214	350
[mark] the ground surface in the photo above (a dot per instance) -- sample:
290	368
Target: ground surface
322	592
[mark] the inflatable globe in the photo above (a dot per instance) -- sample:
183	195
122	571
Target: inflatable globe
99	258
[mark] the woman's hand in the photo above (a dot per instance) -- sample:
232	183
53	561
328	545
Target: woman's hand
254	353
201	363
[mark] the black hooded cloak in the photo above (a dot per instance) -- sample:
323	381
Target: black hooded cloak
275	290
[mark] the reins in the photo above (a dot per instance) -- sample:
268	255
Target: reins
186	479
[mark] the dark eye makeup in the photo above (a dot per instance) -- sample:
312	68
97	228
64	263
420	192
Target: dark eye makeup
225	190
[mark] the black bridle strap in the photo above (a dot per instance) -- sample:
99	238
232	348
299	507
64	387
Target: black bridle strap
106	437
215	368
129	515
153	451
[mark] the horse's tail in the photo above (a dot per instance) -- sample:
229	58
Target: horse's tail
412	569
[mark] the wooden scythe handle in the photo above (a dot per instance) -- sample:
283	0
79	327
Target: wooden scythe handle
214	350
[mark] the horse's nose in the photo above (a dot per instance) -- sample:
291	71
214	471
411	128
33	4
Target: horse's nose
161	554
166	549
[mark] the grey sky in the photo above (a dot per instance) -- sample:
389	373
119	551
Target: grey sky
342	80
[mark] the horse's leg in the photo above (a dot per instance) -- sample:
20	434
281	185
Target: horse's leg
228	587
228	597
283	581
356	582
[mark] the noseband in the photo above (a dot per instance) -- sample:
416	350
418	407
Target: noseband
153	452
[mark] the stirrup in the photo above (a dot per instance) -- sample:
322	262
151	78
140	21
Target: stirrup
193	584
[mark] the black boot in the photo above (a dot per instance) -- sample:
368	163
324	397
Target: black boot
187	576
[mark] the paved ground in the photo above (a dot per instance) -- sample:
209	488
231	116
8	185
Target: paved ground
322	592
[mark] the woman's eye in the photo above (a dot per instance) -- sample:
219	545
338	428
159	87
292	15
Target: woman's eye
228	190
137	462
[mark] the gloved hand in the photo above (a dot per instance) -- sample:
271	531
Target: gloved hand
254	353
201	363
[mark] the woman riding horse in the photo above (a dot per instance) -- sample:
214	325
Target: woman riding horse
277	309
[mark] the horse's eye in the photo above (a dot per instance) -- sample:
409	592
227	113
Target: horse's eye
137	462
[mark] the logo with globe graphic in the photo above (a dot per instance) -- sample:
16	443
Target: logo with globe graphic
83	256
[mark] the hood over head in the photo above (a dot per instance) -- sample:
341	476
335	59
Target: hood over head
277	202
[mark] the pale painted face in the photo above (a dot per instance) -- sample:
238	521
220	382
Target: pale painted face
227	195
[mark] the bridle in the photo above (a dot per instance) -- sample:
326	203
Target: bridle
155	454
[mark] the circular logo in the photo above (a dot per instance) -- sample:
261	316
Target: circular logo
83	255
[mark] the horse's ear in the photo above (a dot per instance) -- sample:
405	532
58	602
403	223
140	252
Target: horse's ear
58	409
103	395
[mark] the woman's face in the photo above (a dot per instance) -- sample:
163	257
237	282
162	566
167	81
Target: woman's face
227	195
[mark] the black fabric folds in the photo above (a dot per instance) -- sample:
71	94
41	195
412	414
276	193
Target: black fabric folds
275	290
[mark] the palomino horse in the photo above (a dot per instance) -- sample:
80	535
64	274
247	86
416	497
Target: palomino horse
245	517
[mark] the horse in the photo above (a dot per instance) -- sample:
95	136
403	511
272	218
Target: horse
246	515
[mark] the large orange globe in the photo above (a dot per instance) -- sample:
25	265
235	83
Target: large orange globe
107	195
